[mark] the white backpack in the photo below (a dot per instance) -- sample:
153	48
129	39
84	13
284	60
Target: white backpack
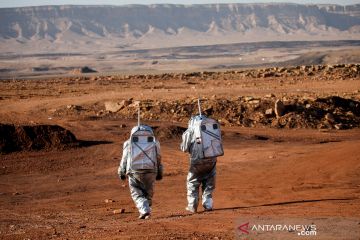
203	138
143	149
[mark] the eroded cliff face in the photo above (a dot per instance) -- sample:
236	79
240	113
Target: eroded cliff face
176	25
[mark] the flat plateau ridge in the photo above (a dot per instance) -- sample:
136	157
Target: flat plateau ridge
164	25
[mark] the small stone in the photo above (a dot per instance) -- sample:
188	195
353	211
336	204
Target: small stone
330	117
122	125
308	105
254	101
114	106
119	211
224	121
108	201
269	95
135	103
349	114
269	112
279	108
249	98
339	126
73	107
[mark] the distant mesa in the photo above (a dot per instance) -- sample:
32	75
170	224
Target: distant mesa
61	27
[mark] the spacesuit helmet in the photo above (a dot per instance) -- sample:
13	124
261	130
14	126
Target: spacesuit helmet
141	127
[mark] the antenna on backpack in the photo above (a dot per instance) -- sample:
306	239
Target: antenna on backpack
199	106
139	116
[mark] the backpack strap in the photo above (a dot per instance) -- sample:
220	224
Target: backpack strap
211	134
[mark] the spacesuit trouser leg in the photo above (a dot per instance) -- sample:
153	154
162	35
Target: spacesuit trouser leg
208	186
142	189
192	185
201	174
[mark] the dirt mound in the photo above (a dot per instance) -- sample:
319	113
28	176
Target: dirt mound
19	138
168	132
332	112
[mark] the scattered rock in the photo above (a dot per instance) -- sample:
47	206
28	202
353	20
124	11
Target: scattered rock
223	121
114	106
270	95
119	211
279	108
339	126
269	112
254	101
330	117
135	104
299	112
248	98
83	70
73	107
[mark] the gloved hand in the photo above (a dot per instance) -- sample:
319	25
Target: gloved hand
122	176
159	176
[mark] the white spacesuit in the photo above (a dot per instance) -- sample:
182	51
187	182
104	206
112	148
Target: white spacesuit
202	140
141	162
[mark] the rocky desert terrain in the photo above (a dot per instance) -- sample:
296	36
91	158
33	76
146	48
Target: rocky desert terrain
291	138
282	79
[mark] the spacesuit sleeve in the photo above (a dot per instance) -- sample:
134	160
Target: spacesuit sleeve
125	157
186	140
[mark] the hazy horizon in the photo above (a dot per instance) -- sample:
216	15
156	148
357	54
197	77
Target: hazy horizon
25	3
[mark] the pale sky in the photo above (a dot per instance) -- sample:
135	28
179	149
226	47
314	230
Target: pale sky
22	3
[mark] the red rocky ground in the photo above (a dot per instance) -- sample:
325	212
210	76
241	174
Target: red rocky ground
302	162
